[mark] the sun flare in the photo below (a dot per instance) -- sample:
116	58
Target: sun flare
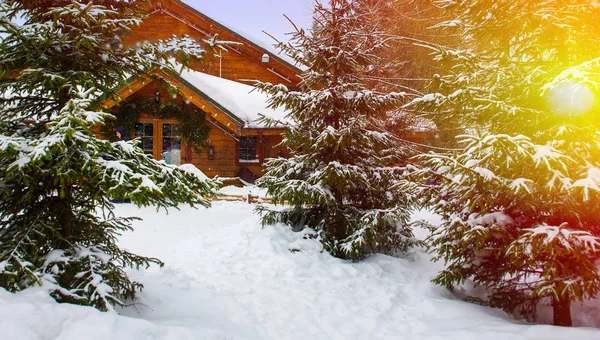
571	98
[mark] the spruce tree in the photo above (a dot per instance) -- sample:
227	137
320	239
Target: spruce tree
520	197
57	226
343	164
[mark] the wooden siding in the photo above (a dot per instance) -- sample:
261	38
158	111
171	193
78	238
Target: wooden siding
241	62
221	137
224	163
271	148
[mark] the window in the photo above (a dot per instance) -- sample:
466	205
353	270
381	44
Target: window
145	131
171	144
160	138
247	149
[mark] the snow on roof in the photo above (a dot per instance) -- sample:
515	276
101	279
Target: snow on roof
244	101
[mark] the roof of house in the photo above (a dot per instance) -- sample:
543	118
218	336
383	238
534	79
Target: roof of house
257	43
243	102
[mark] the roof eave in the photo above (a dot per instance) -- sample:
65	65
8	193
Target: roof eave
240	122
234	33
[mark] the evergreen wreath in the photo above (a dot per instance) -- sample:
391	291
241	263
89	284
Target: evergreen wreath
193	125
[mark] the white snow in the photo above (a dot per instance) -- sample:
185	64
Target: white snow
416	123
498	217
244	191
487	174
566	236
226	277
244	101
146	183
520	183
543	153
194	171
591	181
114	165
436	98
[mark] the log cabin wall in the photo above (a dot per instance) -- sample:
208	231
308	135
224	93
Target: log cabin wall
221	137
271	148
241	62
224	162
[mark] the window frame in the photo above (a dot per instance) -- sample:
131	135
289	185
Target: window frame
255	161
158	136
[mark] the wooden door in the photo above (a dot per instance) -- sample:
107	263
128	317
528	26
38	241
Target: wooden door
162	139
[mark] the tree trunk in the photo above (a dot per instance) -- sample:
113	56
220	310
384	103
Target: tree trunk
63	97
562	311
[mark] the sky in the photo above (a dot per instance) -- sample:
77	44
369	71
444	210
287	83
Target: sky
254	16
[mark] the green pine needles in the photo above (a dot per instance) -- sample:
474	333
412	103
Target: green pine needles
520	197
343	164
57	228
57	178
194	128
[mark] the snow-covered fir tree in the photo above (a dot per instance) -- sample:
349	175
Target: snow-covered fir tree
520	197
343	164
57	226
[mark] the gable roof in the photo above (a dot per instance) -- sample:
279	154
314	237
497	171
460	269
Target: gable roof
166	6
250	40
235	105
242	104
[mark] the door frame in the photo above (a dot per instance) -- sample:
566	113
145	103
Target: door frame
158	136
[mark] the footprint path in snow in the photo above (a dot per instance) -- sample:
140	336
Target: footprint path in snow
224	271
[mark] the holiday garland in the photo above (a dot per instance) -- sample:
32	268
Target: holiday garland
193	126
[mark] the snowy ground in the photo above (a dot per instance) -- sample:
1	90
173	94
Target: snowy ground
227	278
252	190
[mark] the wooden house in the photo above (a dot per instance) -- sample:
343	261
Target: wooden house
237	144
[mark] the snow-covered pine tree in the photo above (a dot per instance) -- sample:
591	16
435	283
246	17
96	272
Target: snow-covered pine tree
57	226
520	199
342	163
408	22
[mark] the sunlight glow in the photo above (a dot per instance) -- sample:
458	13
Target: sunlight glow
571	98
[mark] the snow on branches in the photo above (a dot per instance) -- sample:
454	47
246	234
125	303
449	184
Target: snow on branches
57	226
63	181
499	227
522	91
343	163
